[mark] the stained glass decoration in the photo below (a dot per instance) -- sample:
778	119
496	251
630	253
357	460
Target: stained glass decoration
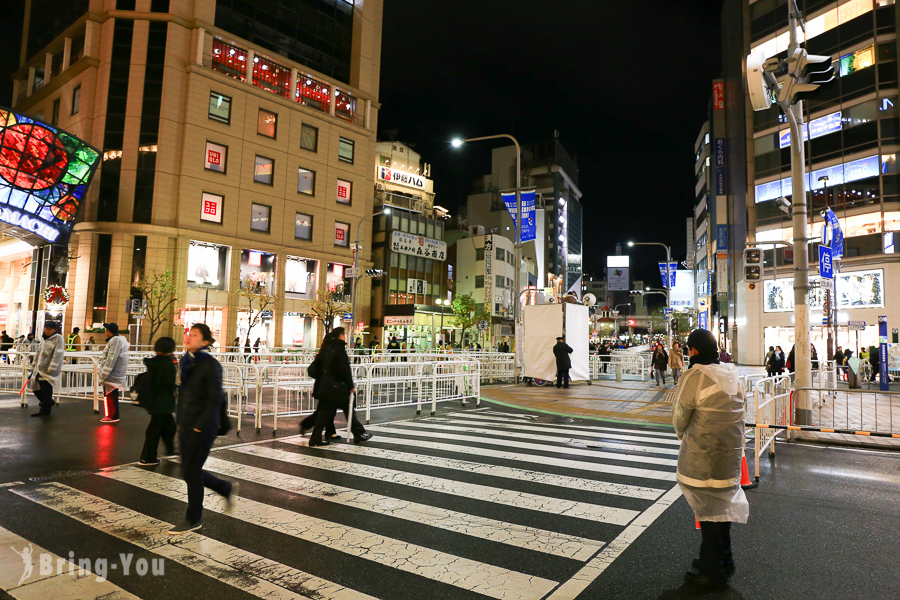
44	176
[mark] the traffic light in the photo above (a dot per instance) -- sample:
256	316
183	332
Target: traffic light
792	79
752	264
674	324
723	324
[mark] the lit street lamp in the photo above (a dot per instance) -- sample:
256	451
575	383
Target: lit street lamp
667	285
442	304
385	211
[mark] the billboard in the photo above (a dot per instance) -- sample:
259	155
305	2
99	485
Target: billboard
617	279
44	177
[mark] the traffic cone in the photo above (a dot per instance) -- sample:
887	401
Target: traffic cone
745	475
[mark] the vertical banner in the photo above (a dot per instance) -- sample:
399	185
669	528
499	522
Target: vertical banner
884	384
837	235
673	268
489	274
528	229
704	323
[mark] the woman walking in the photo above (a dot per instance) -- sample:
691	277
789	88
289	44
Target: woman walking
660	362
676	361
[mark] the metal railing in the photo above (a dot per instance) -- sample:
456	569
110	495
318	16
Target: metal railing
626	363
858	410
770	403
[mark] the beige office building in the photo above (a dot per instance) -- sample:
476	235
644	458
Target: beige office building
237	150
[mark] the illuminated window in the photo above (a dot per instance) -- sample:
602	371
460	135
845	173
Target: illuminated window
228	59
344	191
309	137
266	123
263	170
259	217
341	234
216	157
211	207
306	181
303	227
819	25
219	108
856	61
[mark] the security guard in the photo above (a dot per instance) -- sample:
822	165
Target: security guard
73	341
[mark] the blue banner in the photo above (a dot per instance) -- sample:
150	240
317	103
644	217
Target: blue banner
703	321
720	152
721	186
837	236
529	229
883	354
673	268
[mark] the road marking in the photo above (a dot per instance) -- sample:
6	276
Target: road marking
575	432
563	481
464	573
11	484
487	441
479	416
543	504
593	569
502	532
238	568
529	458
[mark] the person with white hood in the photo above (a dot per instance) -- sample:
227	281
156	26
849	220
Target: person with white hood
709	421
113	367
47	372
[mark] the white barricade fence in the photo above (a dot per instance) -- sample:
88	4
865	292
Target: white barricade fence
626	363
869	411
770	405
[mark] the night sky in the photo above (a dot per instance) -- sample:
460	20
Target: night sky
627	84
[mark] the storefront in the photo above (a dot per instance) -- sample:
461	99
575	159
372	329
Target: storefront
258	270
208	264
301	278
214	316
263	330
299	330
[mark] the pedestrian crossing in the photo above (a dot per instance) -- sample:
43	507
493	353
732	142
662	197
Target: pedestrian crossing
467	505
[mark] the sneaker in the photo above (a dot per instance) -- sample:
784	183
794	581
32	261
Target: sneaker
231	498
41	413
148	463
362	438
185	527
108	420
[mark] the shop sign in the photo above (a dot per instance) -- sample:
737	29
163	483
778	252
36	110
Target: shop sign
415	286
212	208
488	272
720	152
400	320
718	95
398	177
417	245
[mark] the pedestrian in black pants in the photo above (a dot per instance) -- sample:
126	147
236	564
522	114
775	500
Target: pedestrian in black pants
563	363
162	371
334	387
200	413
47	371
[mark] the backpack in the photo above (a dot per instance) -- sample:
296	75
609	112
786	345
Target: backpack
143	388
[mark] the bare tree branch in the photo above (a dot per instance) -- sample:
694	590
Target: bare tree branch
158	290
259	300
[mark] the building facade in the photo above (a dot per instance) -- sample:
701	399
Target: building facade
232	157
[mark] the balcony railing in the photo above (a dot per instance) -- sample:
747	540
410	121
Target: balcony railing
345	106
313	93
230	60
271	77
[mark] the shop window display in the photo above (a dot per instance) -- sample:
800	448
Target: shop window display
855	289
300	278
208	263
337	281
258	270
298	330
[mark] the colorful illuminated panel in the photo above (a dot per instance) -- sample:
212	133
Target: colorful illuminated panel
44	176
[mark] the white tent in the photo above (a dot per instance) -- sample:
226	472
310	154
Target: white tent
543	324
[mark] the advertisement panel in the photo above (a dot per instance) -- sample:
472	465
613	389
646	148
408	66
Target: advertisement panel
617	279
417	245
528	229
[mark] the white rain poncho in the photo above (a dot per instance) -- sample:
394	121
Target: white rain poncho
114	362
709	421
48	362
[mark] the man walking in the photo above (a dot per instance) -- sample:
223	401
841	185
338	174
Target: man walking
709	421
563	363
162	371
47	371
113	367
199	418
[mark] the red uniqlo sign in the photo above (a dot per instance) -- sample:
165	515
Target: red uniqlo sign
210	208
339	234
718	95
343	191
214	158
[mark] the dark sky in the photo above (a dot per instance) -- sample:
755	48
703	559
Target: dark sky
626	83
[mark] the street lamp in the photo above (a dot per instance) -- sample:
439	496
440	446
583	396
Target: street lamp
668	283
385	211
456	143
616	317
442	304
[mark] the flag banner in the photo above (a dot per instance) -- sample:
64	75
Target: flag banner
528	230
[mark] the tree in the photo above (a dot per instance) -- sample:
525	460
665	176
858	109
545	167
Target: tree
258	299
658	320
466	313
158	290
328	305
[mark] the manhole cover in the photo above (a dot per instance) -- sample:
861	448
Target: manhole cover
60	476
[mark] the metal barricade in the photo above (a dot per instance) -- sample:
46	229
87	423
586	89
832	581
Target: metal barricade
867	411
771	405
627	363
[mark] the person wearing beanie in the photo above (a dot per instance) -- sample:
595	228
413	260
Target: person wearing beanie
113	368
47	372
709	420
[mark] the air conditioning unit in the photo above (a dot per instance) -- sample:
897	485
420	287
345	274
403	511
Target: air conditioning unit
476	230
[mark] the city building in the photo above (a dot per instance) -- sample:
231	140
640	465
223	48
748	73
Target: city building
852	138
235	155
408	245
701	252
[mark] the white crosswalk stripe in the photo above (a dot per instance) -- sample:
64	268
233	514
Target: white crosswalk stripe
480	504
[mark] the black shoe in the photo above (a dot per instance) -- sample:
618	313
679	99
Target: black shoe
303	429
335	437
701	580
185	527
41	413
148	463
313	444
565	387
362	438
729	569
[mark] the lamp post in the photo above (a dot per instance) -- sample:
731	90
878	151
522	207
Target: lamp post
385	211
518	222
616	318
442	303
667	283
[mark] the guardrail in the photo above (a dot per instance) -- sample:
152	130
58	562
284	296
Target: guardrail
857	410
770	402
624	363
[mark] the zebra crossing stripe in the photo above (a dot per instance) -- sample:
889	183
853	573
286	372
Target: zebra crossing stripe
543	504
20	579
489	580
569	431
563	481
473	428
502	532
243	570
505	443
593	569
528	458
482	417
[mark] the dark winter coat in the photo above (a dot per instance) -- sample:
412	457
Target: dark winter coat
200	393
562	351
839	358
162	371
660	359
333	361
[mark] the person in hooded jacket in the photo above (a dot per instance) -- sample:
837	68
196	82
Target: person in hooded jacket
47	372
709	420
162	424
676	361
113	369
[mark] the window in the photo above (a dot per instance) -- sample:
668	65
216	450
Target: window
341	234
263	169
76	100
509	282
309	137
501	254
208	263
54	116
211	209
479	253
259	217
219	108
344	191
216	157
855	61
303	227
345	149
266	122
499	281
306	181
300	277
479	281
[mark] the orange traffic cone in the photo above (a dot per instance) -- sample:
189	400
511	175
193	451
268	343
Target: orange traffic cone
745	475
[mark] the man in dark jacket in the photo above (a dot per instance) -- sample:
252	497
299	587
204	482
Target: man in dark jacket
563	363
162	381
334	386
199	417
839	361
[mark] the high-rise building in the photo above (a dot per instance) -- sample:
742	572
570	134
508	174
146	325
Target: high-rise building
238	141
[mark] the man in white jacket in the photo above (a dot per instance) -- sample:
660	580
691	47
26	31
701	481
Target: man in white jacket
113	367
47	370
